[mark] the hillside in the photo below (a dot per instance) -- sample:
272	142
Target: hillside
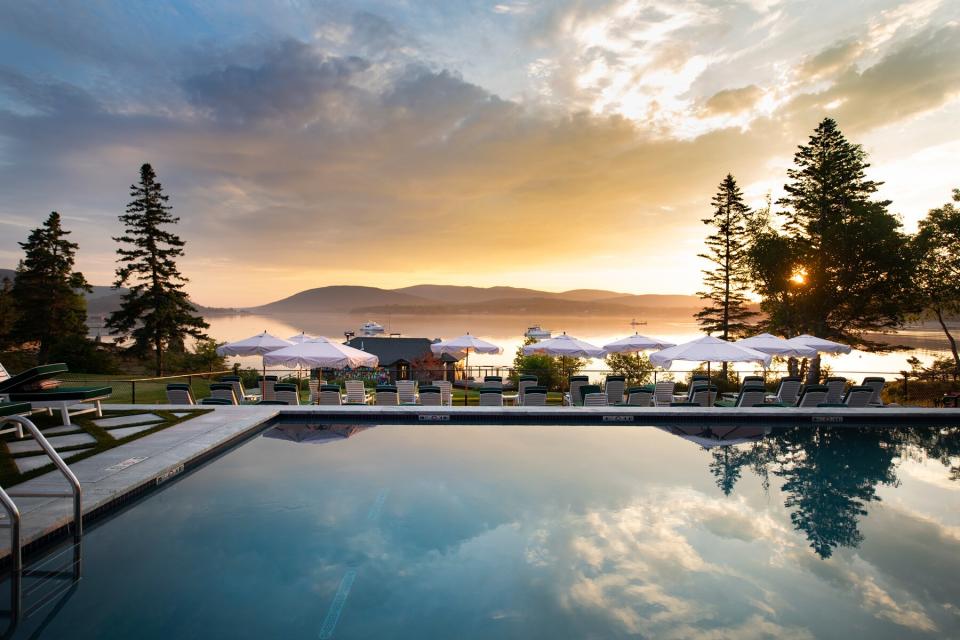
455	300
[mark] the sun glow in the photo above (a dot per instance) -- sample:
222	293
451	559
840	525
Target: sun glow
799	277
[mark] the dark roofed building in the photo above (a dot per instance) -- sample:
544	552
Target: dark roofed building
398	355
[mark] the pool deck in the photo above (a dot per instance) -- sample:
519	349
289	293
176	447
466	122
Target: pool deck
115	477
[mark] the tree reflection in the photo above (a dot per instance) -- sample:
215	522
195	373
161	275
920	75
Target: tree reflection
830	475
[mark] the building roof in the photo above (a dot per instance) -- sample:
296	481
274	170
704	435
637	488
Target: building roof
392	350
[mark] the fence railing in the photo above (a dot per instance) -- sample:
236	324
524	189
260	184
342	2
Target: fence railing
149	390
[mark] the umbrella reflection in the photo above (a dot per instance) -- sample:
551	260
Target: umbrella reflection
718	436
313	433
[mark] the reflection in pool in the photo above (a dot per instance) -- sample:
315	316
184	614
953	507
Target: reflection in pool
538	532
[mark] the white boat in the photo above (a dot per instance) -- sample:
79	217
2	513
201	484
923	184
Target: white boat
536	331
371	329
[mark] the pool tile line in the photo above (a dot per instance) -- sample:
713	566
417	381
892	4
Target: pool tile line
336	606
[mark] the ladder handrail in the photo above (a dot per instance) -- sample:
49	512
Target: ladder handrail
11	507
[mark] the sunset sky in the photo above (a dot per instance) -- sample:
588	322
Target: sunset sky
553	145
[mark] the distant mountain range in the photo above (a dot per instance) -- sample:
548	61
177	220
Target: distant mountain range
455	300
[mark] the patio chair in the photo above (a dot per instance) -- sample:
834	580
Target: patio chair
287	392
835	388
524	383
875	383
223	391
329	395
492	382
694	386
598	399
446	392
587	389
38	387
431	396
813	395
752	395
267	384
238	389
179	393
314	385
858	397
386	395
491	397
704	395
407	391
573	397
535	397
788	392
615	386
640	396
663	393
752	381
356	392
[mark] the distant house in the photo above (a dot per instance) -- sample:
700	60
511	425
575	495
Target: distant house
400	356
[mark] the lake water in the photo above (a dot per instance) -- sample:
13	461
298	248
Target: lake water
507	332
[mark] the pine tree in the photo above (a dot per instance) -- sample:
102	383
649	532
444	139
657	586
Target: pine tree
8	314
156	312
937	247
727	282
850	257
47	291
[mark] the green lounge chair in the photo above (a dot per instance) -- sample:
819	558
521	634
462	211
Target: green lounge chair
66	399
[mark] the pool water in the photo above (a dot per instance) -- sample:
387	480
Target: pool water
535	532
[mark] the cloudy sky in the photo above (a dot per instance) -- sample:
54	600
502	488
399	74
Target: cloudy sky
553	145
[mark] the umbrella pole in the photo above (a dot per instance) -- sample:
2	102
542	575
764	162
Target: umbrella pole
466	375
709	392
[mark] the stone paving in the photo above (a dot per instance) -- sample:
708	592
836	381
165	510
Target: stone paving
58	442
120	421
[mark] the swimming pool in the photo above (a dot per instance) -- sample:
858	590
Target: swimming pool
535	532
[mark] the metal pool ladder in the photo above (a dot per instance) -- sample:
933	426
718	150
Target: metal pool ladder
13	513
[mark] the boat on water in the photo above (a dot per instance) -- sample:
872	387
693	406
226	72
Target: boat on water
371	329
536	331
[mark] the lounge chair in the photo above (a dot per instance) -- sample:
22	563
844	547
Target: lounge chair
179	393
591	389
598	399
431	396
704	395
858	397
615	386
835	388
788	392
752	395
267	384
386	395
407	391
491	397
813	395
13	409
524	383
26	387
751	380
356	392
663	393
574	398
241	392
876	384
329	394
640	396
446	392
224	391
492	382
287	392
535	397
314	386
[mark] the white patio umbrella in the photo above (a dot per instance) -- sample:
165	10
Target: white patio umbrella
820	345
257	345
636	344
320	353
708	349
464	345
300	337
768	343
564	346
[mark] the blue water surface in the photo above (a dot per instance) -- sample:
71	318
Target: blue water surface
535	532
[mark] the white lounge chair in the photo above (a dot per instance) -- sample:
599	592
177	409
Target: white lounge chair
356	392
446	392
386	395
491	397
595	400
663	393
573	397
535	397
639	397
615	386
858	397
286	392
329	395
524	383
835	388
751	395
431	396
407	391
813	395
178	393
876	384
789	390
223	391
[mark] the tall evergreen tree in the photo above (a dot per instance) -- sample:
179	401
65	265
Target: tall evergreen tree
47	292
850	259
937	280
726	283
156	312
8	314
